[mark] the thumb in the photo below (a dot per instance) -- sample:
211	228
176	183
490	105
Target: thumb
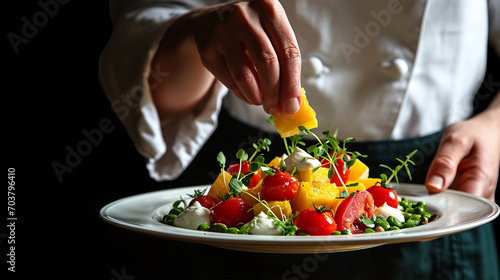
443	169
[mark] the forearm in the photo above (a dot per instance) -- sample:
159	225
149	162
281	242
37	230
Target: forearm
184	81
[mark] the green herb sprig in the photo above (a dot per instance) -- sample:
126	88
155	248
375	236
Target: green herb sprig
255	161
338	150
394	172
287	227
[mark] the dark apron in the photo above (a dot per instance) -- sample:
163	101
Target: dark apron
468	255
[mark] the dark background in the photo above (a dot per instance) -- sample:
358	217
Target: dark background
53	99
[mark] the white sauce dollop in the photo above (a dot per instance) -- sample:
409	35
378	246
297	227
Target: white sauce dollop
193	216
263	225
301	160
385	211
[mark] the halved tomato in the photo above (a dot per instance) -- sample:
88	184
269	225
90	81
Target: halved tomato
351	209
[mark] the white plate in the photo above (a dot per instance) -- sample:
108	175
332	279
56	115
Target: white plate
458	211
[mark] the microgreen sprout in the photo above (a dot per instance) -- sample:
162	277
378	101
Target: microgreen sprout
176	208
198	193
238	179
394	172
330	150
262	144
221	158
295	141
287	227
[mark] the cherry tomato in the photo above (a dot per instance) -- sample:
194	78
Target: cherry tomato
340	169
313	222
353	207
233	212
235	168
383	195
280	186
205	201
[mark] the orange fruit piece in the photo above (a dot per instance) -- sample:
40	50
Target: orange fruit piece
359	170
315	194
369	182
288	124
281	209
252	194
221	186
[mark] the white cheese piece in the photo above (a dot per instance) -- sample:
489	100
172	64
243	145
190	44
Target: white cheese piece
385	211
263	225
301	160
193	216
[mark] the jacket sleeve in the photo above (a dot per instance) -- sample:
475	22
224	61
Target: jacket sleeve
124	68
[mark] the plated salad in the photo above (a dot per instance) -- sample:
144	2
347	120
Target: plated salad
323	189
319	190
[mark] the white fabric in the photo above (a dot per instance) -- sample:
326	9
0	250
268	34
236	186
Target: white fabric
377	70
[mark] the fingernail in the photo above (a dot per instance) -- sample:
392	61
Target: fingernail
292	106
272	111
435	182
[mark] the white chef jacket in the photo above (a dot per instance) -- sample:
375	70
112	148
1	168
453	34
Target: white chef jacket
374	70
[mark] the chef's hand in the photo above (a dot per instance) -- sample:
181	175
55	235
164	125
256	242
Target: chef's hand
251	48
468	157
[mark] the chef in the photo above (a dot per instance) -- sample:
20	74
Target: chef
395	74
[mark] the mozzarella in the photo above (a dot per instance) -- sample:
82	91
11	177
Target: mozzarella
263	225
385	211
301	160
193	216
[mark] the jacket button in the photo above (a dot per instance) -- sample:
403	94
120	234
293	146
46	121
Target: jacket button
312	66
396	68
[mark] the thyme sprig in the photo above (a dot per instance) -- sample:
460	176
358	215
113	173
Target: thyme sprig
394	172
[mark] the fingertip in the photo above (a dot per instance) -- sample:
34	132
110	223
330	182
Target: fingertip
434	183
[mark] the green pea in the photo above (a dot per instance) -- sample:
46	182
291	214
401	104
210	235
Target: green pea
203	227
418	210
175	211
218	227
346	231
406	215
369	230
336	232
244	230
421	204
169	219
413	221
405	203
232	230
393	221
384	224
